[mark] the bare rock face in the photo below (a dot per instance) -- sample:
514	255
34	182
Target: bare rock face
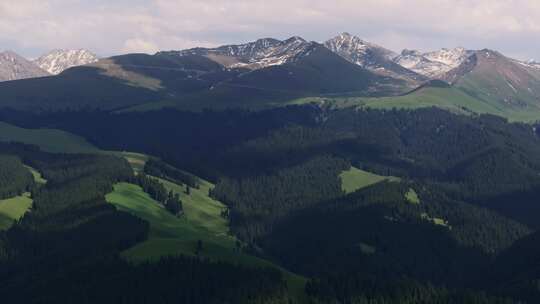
15	67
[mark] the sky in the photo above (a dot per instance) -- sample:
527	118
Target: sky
110	27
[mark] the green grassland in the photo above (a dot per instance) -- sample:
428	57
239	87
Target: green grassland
453	99
355	179
13	209
171	235
412	197
49	140
200	209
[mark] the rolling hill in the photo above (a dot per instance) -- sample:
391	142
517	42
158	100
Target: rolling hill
50	140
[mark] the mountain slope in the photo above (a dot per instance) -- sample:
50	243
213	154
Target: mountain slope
57	61
318	71
254	55
371	56
14	67
432	64
490	76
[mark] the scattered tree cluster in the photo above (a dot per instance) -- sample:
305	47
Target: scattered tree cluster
163	170
171	201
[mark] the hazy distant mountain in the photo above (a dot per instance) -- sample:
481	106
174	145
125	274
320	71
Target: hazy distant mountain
57	61
370	56
14	67
530	64
432	64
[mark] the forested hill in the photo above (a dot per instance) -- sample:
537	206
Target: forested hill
447	196
66	249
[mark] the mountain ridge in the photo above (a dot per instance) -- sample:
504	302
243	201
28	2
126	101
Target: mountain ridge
372	57
15	67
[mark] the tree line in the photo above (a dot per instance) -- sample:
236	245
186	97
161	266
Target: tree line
171	201
14	177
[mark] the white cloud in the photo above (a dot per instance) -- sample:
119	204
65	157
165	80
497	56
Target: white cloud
111	27
137	45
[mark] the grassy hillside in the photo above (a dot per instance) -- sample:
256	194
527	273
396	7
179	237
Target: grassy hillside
452	99
49	140
13	209
171	235
355	179
200	209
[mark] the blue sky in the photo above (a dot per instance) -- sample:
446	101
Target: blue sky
31	27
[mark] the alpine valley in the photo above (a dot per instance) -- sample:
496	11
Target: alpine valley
275	171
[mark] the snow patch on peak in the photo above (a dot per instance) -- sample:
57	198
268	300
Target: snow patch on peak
57	61
450	57
433	64
355	49
255	55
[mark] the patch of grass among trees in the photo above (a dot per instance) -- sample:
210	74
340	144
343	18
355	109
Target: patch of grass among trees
13	209
355	179
204	236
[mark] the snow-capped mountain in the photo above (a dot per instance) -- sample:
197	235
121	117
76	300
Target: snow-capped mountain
433	64
57	61
14	67
357	50
369	56
254	55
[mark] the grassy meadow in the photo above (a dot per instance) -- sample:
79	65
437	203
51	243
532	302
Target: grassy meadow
355	179
453	99
171	235
13	209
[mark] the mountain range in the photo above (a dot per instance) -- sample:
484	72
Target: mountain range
411	65
275	171
269	72
15	67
